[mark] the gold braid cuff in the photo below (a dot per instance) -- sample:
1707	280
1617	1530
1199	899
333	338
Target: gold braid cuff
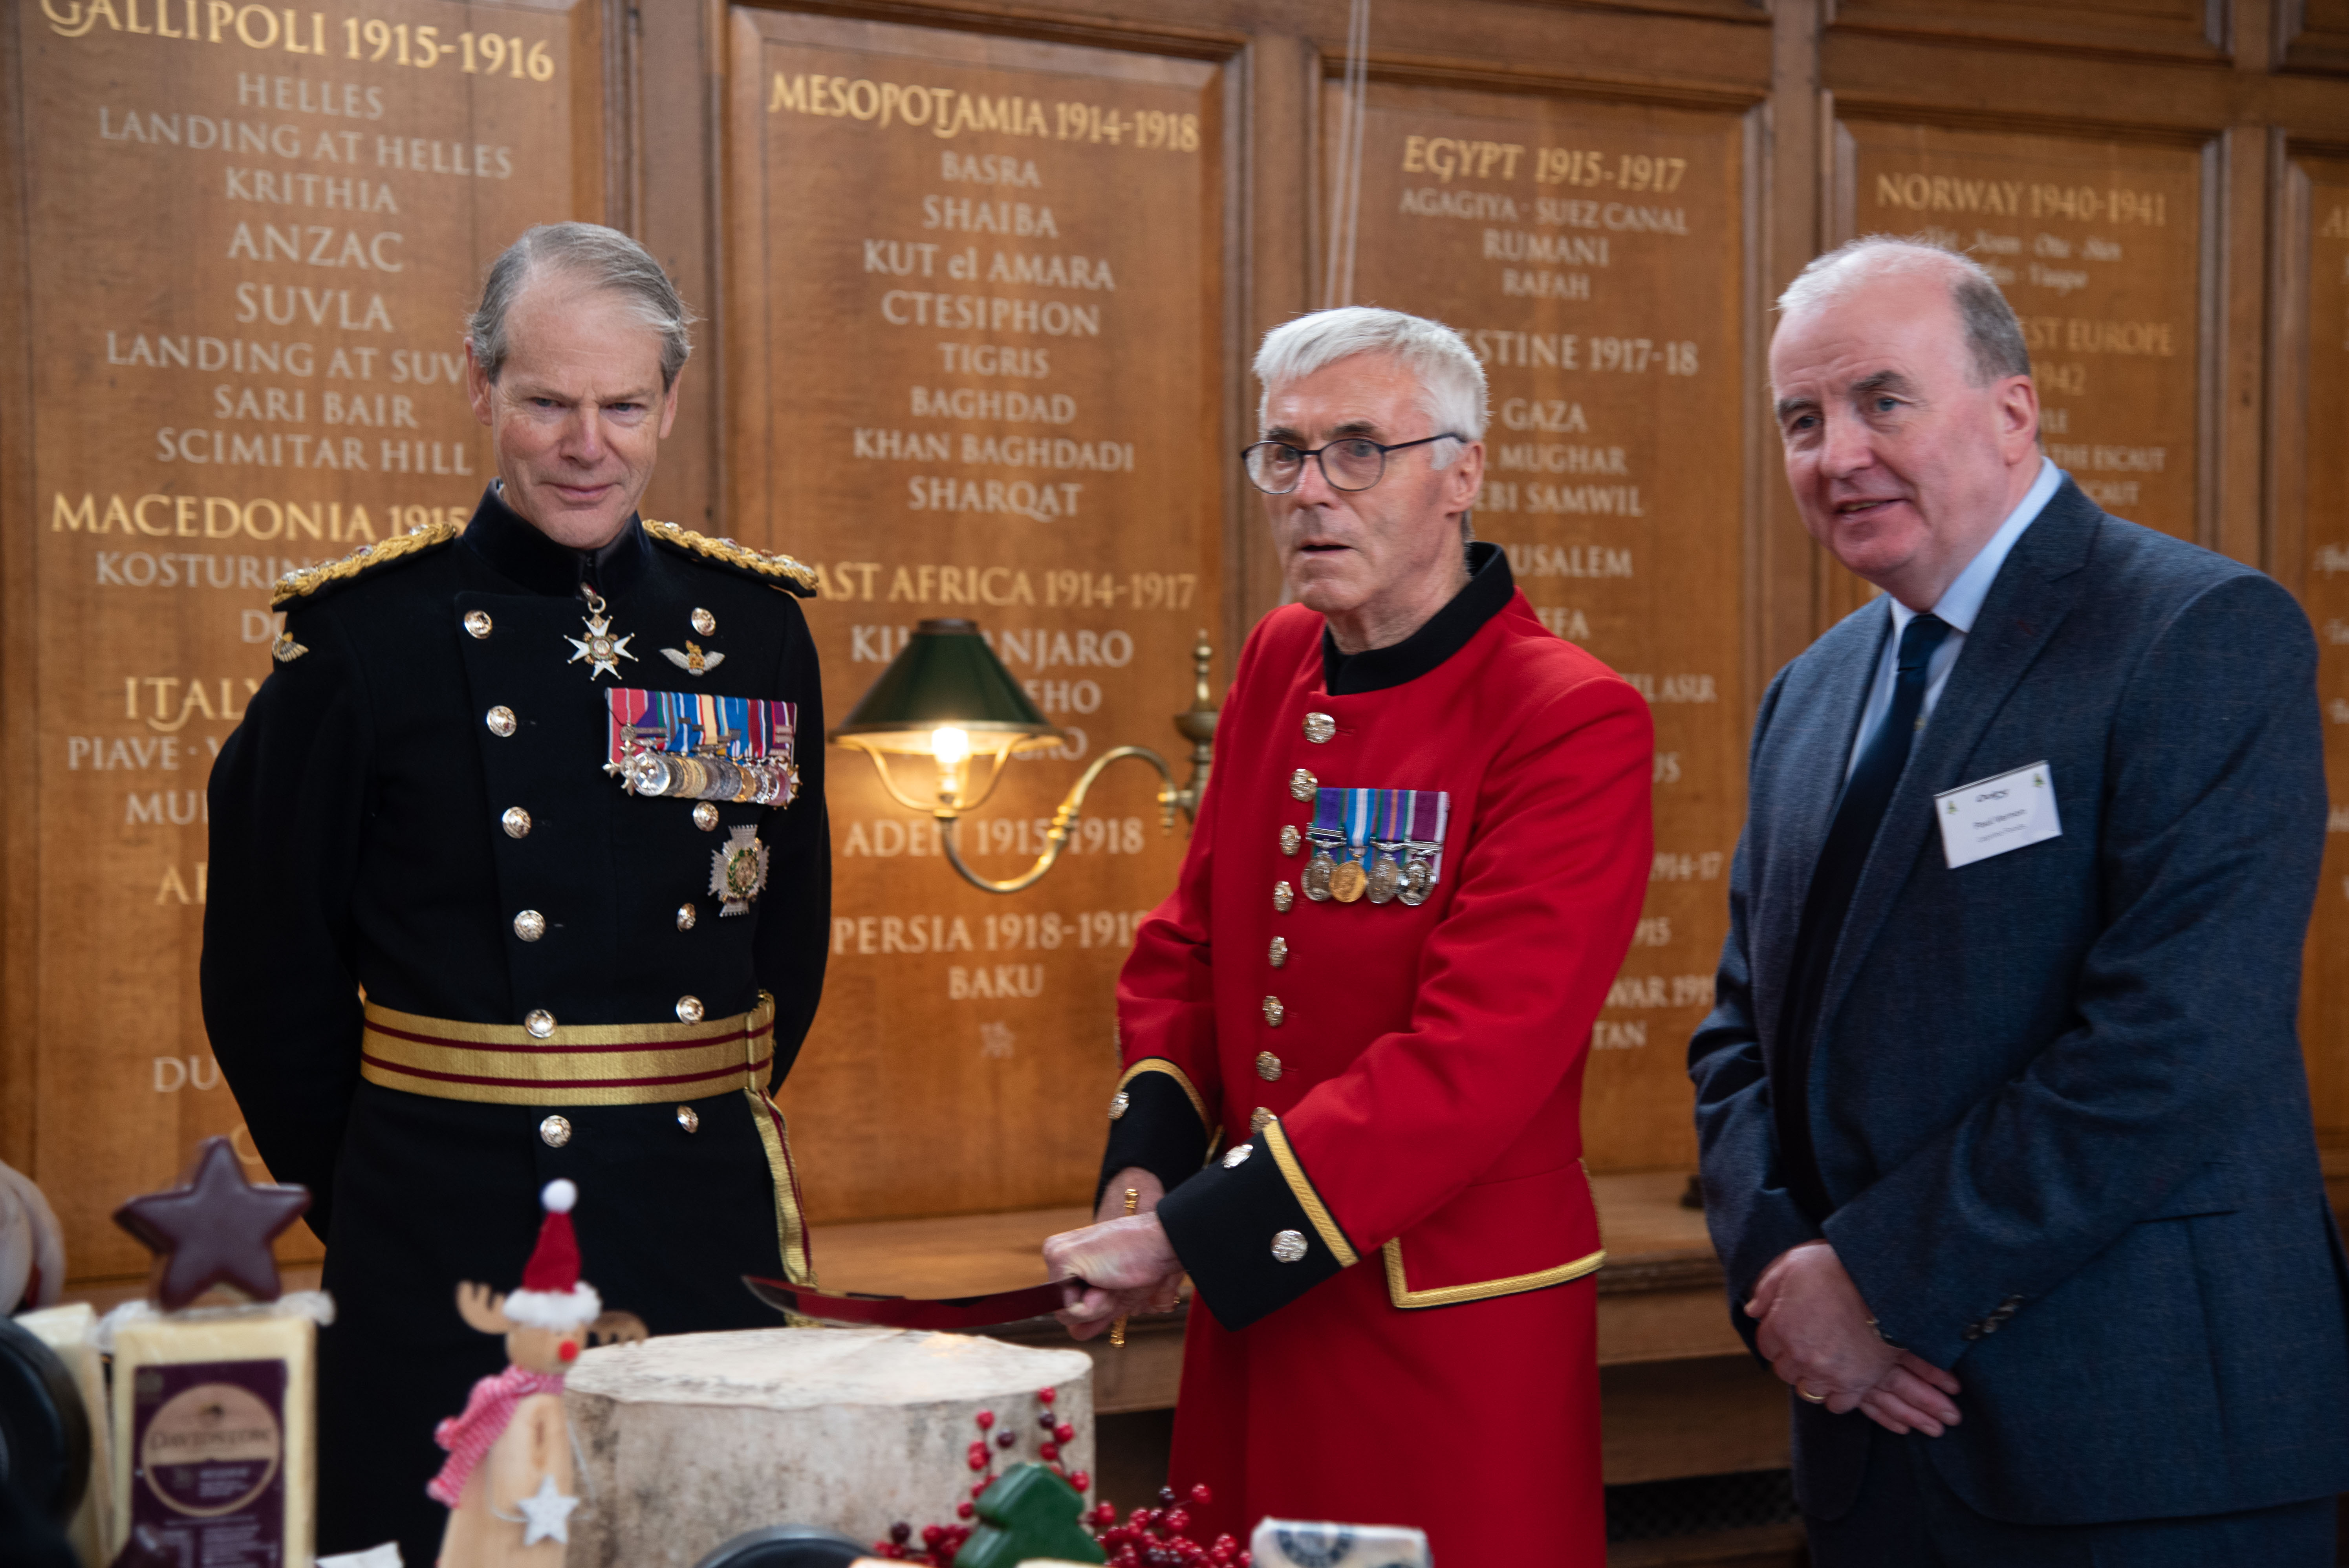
1274	1139
1160	1065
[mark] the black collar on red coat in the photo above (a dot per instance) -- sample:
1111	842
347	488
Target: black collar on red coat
516	549
1490	587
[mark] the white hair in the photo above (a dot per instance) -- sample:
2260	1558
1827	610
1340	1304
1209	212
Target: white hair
1994	337
1450	381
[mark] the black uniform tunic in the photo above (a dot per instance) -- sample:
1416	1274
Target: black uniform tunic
360	844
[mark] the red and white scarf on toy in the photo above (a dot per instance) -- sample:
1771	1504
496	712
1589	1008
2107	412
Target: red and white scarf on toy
487	1411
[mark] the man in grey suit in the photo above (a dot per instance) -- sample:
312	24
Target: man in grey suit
2006	1131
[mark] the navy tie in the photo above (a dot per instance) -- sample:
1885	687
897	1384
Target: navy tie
1837	876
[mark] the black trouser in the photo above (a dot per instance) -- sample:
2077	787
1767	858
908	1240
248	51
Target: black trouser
431	1193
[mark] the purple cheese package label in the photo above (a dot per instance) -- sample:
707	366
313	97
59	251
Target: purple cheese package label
214	1436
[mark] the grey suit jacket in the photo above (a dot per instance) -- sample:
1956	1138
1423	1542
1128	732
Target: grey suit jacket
2057	1095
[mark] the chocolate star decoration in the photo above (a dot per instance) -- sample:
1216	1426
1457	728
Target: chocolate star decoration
213	1229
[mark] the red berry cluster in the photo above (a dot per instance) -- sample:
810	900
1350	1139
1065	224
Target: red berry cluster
941	1542
1159	1537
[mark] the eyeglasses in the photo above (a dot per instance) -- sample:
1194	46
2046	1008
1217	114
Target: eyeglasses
1355	463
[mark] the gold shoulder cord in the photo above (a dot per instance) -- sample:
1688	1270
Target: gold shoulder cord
308	580
761	561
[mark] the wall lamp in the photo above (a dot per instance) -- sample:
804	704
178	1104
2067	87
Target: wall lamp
947	699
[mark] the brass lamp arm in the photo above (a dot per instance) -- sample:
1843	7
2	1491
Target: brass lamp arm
1064	818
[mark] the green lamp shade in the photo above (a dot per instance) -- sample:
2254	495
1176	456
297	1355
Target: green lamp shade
944	675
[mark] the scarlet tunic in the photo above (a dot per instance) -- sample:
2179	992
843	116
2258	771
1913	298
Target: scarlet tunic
1398	1322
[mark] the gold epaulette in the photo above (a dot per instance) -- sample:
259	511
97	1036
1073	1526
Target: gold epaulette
366	558
780	572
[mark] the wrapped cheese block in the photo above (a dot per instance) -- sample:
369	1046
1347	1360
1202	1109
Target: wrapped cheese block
690	1440
72	1333
1300	1544
215	1413
215	1435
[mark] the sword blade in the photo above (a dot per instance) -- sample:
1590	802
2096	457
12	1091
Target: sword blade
910	1311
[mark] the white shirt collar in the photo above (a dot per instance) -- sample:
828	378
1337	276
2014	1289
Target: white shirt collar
1961	601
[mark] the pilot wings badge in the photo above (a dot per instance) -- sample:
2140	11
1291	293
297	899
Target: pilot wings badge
693	661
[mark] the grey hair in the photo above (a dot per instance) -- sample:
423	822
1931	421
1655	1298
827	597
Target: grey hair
1451	380
599	257
1994	337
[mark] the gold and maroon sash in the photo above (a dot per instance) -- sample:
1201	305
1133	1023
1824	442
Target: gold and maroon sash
574	1063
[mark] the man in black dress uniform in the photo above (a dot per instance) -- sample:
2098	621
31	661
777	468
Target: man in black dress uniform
519	870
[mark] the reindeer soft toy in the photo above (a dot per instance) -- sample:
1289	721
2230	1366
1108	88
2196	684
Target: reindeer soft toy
508	1480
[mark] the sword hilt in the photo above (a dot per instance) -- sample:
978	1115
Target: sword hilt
1117	1329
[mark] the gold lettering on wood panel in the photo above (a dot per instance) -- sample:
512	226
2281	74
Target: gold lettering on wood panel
253	237
981	309
2097	245
1590	255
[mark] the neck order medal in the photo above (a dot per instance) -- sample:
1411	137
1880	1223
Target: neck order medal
602	650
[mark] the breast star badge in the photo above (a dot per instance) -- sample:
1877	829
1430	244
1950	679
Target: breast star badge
738	871
602	650
693	660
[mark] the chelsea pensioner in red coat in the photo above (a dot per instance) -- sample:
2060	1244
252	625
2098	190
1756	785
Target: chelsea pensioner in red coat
1355	1035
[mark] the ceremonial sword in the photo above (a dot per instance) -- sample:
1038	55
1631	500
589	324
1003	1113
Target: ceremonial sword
914	1312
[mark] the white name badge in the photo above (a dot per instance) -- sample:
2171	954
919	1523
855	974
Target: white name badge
1992	816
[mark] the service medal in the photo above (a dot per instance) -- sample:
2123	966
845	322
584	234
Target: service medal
1418	881
602	650
1347	883
1317	876
692	745
738	869
1386	878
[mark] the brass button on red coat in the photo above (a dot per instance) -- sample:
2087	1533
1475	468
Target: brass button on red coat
1267	1067
1278	954
1291	840
1274	1012
1320	728
1283	895
1301	785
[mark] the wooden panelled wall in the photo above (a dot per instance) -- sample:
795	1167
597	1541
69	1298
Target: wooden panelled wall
981	284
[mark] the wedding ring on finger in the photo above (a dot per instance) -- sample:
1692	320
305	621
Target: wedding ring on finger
1806	1394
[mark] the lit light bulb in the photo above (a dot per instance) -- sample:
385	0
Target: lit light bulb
950	746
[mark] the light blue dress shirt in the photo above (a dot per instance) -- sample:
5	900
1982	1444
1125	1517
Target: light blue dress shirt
1958	604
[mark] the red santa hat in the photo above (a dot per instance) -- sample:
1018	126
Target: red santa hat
552	1296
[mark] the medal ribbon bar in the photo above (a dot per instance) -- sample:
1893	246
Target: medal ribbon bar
697	746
